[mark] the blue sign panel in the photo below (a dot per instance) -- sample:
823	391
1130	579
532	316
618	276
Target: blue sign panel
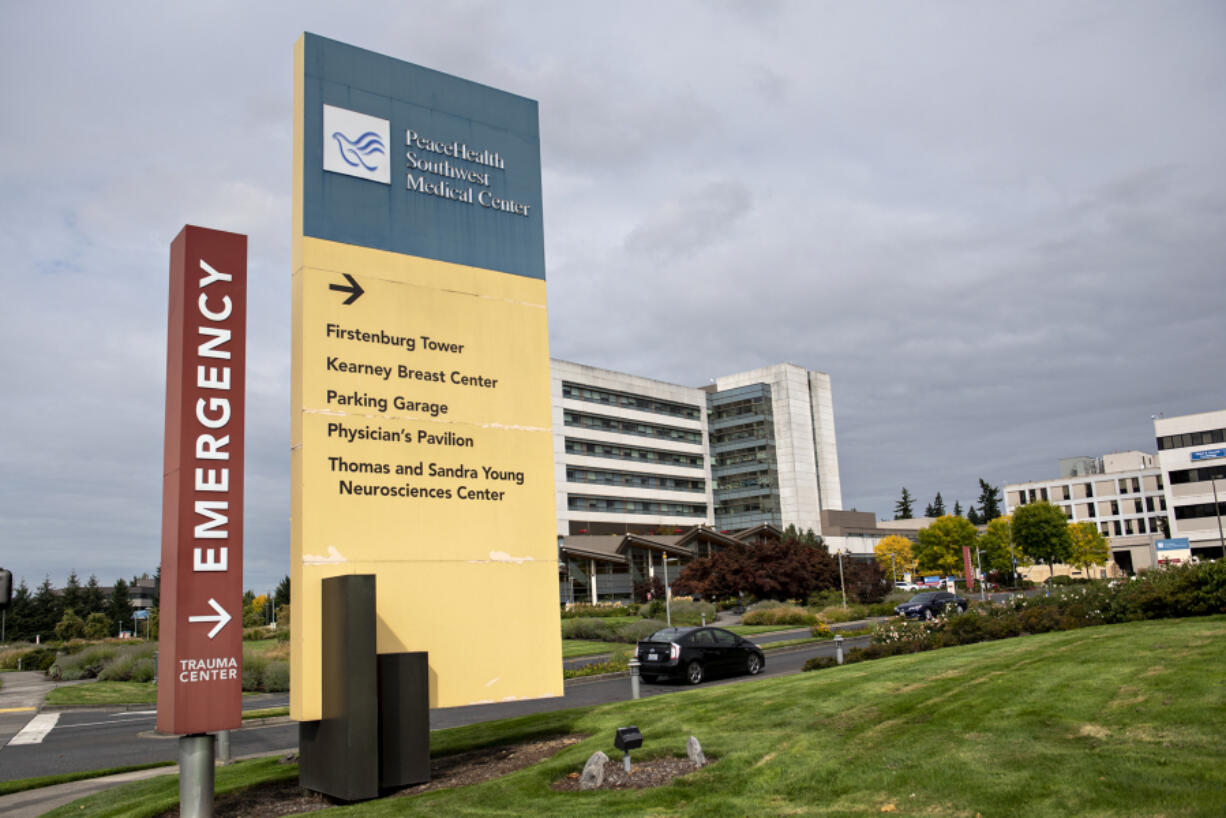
401	158
1174	544
1209	454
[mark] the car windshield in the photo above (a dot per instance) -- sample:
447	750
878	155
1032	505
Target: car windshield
668	634
928	597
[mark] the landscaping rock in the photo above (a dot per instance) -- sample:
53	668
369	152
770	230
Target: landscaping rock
694	750
593	772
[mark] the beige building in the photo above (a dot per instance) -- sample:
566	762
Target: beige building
1121	493
1192	459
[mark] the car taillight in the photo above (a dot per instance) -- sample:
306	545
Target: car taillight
674	651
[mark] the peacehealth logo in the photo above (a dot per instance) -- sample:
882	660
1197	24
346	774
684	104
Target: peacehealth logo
356	145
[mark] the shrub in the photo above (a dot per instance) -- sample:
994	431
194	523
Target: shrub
690	612
86	664
276	676
820	630
253	671
778	615
592	628
637	631
601	609
819	663
30	657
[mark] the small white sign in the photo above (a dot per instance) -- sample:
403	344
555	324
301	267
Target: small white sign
357	145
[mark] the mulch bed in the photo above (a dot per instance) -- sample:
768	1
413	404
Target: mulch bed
462	769
643	774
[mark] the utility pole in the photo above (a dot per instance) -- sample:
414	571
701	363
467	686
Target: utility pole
1217	511
842	585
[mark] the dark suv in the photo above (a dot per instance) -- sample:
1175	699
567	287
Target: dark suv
929	605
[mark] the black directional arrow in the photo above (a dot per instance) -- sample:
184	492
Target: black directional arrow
354	289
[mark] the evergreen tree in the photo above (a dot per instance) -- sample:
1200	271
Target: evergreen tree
95	598
973	516
17	623
989	501
903	509
46	610
281	595
119	608
957	508
73	596
936	508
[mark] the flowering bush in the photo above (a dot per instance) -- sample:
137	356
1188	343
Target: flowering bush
1193	590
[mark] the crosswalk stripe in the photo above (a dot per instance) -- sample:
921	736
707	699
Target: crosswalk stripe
36	730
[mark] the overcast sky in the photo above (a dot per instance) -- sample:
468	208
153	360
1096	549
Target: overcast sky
1000	227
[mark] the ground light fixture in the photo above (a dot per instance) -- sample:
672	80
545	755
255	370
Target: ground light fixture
627	739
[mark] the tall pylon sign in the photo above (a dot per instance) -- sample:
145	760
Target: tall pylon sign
421	434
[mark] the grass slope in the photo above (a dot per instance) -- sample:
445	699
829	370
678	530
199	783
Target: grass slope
1118	720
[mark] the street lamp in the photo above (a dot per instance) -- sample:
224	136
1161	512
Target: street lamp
1217	512
842	585
668	594
979	568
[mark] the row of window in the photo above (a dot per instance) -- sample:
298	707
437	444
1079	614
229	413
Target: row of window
757	430
618	505
1128	527
756	454
752	480
1192	439
631	427
633	480
1199	474
1125	485
747	505
591	448
749	406
1198	511
628	401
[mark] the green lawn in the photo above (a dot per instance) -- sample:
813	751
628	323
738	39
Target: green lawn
1109	721
102	694
582	647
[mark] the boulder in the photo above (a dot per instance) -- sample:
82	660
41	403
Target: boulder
593	772
694	750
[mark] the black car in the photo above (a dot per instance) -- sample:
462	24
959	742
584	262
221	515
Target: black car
693	654
929	605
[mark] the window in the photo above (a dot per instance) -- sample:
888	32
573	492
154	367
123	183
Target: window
1199	511
618	505
625	400
1199	474
630	427
592	448
608	477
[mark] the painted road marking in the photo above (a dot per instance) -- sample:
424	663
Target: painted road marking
36	730
16	709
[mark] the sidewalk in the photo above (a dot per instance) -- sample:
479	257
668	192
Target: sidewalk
33	803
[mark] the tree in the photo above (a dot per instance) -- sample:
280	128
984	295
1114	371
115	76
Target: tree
989	501
865	581
788	569
17	620
973	517
936	508
903	508
281	595
940	544
1088	546
94	598
894	554
957	508
46	610
998	551
73	596
119	607
648	589
70	626
97	626
253	609
1040	531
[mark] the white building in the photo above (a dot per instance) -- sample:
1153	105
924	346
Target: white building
630	453
1192	457
636	455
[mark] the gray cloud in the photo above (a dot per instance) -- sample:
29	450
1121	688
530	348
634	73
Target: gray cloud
997	227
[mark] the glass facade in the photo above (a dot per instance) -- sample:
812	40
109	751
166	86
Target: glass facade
743	457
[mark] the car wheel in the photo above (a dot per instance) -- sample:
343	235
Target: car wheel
928	613
753	664
650	678
693	673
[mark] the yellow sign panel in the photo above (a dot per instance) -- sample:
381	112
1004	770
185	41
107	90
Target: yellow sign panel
423	453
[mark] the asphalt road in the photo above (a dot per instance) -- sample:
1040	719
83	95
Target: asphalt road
93	739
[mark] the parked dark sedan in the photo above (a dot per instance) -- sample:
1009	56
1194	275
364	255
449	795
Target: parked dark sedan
693	654
929	605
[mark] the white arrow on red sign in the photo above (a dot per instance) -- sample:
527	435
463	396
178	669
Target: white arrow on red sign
221	618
